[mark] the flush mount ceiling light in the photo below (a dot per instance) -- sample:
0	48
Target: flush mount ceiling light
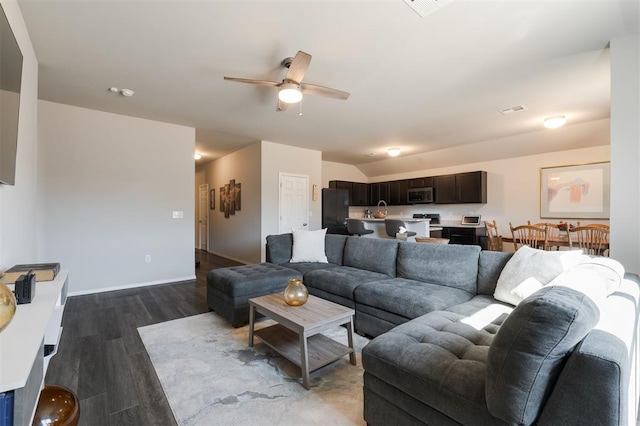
393	152
197	156
555	121
290	93
124	92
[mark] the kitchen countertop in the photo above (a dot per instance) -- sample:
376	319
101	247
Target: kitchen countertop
404	219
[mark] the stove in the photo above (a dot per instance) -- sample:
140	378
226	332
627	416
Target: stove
435	217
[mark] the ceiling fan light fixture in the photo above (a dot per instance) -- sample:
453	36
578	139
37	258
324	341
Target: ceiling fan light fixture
555	121
290	93
197	156
393	152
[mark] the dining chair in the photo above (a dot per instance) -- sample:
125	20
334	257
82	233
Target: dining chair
592	239
554	233
392	226
356	227
493	236
530	235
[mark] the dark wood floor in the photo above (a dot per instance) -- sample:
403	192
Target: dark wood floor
102	359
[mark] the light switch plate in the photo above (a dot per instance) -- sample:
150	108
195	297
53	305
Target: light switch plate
178	214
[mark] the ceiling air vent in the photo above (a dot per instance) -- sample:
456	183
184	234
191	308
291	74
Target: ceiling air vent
426	7
517	108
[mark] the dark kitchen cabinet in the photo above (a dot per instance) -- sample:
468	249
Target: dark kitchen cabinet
378	191
423	182
398	192
467	235
358	192
461	188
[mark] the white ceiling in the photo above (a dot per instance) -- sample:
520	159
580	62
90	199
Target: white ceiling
422	84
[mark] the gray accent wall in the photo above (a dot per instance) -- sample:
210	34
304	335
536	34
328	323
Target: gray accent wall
108	185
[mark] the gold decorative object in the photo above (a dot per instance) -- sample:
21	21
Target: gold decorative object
7	305
296	294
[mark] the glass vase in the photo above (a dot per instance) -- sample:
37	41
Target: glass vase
295	294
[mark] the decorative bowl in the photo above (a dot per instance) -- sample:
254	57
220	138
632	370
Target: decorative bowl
379	215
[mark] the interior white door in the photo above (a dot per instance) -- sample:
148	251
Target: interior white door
203	217
294	202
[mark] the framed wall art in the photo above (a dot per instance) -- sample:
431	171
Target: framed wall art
212	199
576	191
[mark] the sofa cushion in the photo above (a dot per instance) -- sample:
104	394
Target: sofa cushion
308	246
340	280
279	248
529	269
408	298
371	254
304	267
438	360
250	280
442	264
490	266
526	355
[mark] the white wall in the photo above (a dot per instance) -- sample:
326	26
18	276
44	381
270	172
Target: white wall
237	237
625	151
107	187
278	159
339	171
18	203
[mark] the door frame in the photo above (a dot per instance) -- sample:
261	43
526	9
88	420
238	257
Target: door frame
206	207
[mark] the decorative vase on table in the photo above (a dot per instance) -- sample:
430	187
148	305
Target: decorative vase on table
7	305
296	294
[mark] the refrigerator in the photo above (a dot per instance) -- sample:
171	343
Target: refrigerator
335	210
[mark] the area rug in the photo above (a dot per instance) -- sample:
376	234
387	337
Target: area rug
211	376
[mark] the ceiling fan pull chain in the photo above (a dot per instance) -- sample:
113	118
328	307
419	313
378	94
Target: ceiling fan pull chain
300	113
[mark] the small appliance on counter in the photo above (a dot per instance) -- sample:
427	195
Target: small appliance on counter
367	214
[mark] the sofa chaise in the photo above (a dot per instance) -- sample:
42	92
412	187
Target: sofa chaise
445	350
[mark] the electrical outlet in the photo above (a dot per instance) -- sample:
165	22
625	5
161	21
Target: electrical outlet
147	259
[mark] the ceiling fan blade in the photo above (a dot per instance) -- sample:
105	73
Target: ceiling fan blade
250	81
282	106
298	67
313	89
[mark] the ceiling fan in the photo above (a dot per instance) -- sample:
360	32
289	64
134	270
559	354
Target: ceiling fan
291	89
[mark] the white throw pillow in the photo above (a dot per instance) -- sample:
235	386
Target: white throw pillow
529	270
308	246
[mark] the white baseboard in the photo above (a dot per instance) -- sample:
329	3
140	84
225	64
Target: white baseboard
128	286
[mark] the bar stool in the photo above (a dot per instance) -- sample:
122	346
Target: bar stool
356	227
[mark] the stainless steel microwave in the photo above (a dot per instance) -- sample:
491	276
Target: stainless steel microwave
420	195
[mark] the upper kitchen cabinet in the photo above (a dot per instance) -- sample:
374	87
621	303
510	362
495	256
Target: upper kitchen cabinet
358	192
378	191
398	192
423	182
461	188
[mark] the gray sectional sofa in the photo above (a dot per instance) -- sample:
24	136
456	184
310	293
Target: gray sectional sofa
444	351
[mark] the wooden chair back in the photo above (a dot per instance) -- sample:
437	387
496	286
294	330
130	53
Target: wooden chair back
493	236
592	239
554	233
530	235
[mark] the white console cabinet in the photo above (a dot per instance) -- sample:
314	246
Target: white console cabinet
35	326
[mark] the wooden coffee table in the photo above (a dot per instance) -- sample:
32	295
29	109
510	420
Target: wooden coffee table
297	335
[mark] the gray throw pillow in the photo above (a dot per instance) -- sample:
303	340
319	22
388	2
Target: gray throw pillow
526	355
